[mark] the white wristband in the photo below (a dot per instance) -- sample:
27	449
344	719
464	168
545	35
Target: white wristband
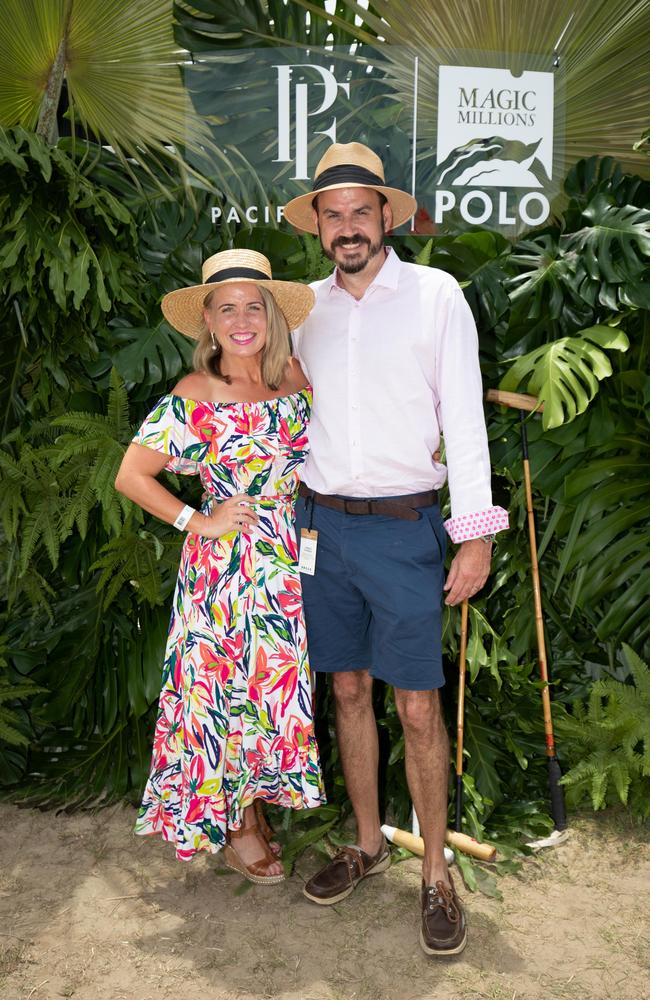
184	516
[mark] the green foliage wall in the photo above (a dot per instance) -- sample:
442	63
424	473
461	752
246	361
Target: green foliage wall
86	256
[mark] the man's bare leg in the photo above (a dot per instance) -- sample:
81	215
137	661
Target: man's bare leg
427	772
356	732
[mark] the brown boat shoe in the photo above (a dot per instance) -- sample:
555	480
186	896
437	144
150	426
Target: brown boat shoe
444	927
342	874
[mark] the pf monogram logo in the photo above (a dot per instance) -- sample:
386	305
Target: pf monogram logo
329	86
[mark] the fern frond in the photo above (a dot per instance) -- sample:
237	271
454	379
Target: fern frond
599	788
118	408
134	558
76	509
639	670
9	734
614	735
41	523
104	471
70	446
37	590
22	689
622	778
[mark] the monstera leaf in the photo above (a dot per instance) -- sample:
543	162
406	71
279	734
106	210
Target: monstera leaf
546	283
614	254
564	375
149	355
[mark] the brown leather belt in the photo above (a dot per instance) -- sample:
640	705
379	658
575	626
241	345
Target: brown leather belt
403	507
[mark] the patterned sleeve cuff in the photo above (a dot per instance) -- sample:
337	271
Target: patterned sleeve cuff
475	525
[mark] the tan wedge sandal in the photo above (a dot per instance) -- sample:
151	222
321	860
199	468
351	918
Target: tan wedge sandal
254	870
267	831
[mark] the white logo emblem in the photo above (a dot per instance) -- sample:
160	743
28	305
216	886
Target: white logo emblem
494	129
328	85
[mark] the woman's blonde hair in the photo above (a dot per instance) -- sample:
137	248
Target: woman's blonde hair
275	353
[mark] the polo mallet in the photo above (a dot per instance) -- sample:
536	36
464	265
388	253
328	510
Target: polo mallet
524	404
460	715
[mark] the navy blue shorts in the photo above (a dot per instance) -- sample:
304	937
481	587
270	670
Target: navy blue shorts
375	600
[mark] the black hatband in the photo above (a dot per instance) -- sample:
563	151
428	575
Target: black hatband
237	272
347	173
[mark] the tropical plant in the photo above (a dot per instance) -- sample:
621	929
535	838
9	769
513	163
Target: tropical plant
119	64
610	739
109	72
88	578
564	374
13	691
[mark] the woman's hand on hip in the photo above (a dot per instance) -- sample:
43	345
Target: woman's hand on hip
234	514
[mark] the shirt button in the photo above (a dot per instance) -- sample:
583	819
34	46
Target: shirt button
355	406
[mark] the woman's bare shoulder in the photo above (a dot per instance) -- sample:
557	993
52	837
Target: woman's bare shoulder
196	385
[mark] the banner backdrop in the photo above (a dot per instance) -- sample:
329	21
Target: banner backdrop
494	163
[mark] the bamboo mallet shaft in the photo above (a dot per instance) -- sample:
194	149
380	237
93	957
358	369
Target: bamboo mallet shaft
537	600
460	714
524	404
515	400
484	852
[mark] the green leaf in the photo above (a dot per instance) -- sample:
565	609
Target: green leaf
147	356
564	374
616	244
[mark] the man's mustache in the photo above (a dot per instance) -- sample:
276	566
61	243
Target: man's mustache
343	241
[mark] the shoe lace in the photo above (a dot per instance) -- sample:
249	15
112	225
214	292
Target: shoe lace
441	895
353	858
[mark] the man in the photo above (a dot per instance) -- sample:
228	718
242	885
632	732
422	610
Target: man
391	351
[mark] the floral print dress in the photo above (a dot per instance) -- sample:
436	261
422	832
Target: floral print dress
235	716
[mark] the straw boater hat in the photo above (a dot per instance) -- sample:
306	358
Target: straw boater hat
183	308
345	165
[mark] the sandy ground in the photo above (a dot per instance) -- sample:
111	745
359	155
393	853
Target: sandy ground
87	910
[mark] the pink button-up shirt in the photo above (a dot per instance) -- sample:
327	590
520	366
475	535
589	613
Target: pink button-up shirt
392	372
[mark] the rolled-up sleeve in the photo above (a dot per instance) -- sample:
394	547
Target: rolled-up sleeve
459	391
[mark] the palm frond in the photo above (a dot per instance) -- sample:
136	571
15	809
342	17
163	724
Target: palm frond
122	70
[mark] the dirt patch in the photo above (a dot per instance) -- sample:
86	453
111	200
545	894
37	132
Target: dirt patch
90	911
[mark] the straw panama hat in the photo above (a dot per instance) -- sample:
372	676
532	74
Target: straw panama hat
344	165
183	308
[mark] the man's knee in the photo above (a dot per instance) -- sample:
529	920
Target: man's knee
352	689
419	712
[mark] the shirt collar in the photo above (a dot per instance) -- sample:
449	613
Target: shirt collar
387	276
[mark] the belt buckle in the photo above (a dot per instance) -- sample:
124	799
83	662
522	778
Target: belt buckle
351	506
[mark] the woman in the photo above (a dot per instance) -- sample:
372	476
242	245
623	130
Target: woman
235	723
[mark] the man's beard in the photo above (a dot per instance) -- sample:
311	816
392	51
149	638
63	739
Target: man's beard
353	266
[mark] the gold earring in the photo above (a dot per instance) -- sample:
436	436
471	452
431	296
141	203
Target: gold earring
214	342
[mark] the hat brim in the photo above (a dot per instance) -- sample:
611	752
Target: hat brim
183	308
299	211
